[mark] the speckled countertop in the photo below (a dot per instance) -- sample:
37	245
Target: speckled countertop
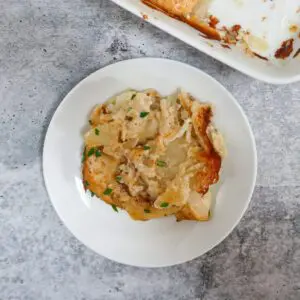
46	47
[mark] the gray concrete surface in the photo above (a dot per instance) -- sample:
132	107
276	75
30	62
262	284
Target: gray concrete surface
46	47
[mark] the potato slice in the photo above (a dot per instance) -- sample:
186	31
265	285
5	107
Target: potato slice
100	115
123	98
103	135
197	208
144	212
176	194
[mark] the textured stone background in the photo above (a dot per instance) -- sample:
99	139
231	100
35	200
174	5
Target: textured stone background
46	47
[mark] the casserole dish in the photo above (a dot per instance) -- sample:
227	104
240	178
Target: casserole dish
275	22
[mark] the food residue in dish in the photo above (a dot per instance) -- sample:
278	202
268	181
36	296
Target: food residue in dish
200	15
285	50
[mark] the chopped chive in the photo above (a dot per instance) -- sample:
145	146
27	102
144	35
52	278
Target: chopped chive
147	211
86	183
91	151
108	191
144	114
90	121
97	131
98	153
92	194
164	204
114	208
119	178
161	163
133	96
83	156
147	147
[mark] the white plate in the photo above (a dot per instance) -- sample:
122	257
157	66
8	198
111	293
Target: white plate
279	16
156	243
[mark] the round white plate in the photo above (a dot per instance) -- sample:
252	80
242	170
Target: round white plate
156	243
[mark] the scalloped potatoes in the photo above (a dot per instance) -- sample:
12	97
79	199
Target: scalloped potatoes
153	156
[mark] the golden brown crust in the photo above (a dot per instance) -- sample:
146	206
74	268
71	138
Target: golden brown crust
209	174
201	120
96	177
212	161
184	15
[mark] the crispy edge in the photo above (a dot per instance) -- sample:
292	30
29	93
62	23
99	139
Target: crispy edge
94	186
193	21
209	157
212	161
201	120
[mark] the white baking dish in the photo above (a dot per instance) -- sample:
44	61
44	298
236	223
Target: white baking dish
272	71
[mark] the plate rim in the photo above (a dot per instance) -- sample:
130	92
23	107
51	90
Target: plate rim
253	150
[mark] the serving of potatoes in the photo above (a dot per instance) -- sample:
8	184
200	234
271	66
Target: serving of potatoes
153	156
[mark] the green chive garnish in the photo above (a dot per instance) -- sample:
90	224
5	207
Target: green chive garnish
86	183
92	194
97	131
147	211
119	178
161	163
91	151
164	204
147	147
107	192
144	114
98	153
114	208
